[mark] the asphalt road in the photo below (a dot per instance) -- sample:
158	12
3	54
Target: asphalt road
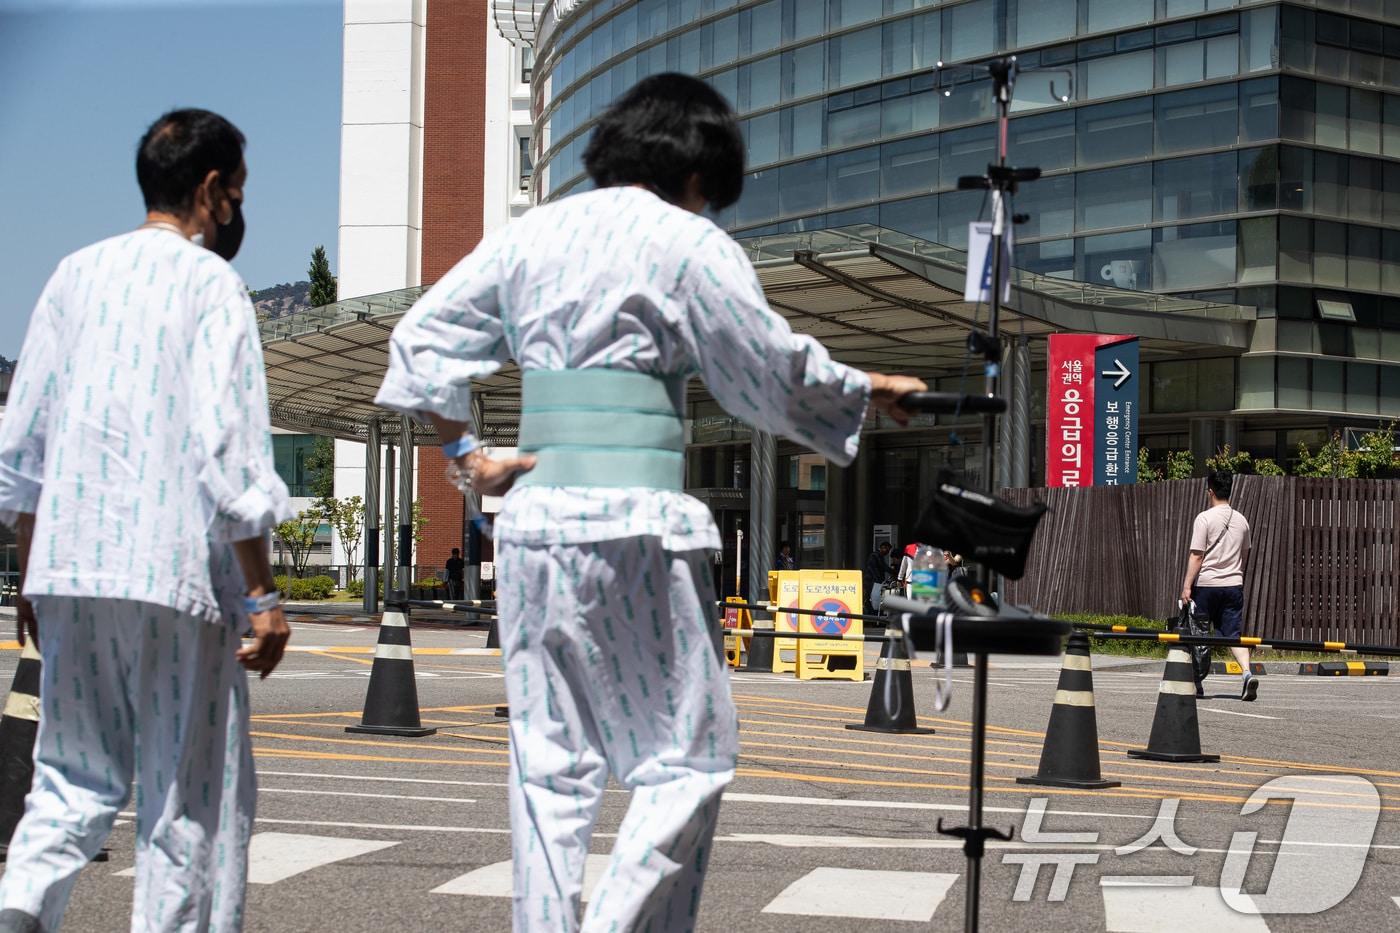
824	829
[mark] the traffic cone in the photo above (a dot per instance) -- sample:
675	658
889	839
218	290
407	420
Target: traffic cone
391	704
493	637
1176	734
18	727
760	659
891	707
1070	756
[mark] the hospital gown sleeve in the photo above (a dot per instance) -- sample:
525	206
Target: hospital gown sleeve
756	367
24	429
239	481
452	335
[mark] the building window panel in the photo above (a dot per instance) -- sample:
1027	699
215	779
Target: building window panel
1100	15
1295	179
1115	132
1364	123
804	71
1329	254
1054	258
1123	260
916	217
1259	39
1258	258
1256	389
760	84
1295	249
802	187
1364	258
1390	261
853	177
1331	116
1365	190
1196	256
855	57
909	166
957	209
1117	197
1298	119
762	136
1259	109
1183	63
1033	22
759	201
1049	137
1330	171
1197	119
1116	75
856	125
1259	179
1049	203
966	152
1196	187
968	103
765	27
969	30
1390	391
1328	385
1361	388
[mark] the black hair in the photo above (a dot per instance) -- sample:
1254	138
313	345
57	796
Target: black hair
884	544
665	129
177	152
456	550
1220	483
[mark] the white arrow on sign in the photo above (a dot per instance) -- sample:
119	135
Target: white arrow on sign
1119	375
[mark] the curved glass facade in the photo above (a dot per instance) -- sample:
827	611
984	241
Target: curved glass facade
1173	167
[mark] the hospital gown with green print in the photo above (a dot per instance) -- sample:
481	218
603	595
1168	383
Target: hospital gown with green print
137	435
605	594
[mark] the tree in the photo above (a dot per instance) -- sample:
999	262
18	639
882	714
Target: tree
347	519
298	535
321	463
324	287
1180	465
420	521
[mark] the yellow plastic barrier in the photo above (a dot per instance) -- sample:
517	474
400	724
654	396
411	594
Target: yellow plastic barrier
735	618
833	591
784	589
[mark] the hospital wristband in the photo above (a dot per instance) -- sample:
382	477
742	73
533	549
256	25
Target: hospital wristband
460	447
264	603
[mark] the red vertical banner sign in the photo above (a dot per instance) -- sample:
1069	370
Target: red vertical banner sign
1070	428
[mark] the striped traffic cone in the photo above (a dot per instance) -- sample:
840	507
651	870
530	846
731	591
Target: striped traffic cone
391	705
1176	733
891	707
493	635
760	659
18	727
1070	756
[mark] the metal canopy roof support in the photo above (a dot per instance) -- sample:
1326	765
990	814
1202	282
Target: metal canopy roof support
518	20
875	298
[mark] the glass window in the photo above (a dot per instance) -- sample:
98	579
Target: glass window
760	83
807	20
1295	179
1116	197
917	217
1259	39
909	166
1256	382
898	48
1195	256
1116	75
808	123
1222	56
1050	204
970	30
1292	383
1115	132
1390	390
968	103
1259	175
851	12
759	202
1390	128
1330	254
1361	388
804	71
1054	258
1331	115
1197	119
1364	258
1258	250
1197	187
765	23
1032	22
855	57
1391	198
1365	122
853	177
1327	385
1047	139
1100	15
1183	63
802	187
1365	190
724	41
762	137
957	209
1330	183
856	125
1390	261
1259	117
1123	260
1294	249
1299	110
966	152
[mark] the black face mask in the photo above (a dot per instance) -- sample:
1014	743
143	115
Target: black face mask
228	237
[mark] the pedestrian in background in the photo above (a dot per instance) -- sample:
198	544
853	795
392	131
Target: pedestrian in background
1214	582
456	574
785	560
136	445
609	300
875	574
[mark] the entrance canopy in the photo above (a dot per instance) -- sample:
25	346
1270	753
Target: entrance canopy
875	298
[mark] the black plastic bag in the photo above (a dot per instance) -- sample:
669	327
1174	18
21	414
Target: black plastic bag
1187	624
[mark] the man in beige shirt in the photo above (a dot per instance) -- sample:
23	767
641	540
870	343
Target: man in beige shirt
1214	580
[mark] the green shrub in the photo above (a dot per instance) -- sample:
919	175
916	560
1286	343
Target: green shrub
355	588
319	587
430	583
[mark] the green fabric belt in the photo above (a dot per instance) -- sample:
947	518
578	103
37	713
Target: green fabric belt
603	427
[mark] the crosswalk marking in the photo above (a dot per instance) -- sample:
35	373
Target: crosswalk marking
1146	905
274	857
864	894
494	880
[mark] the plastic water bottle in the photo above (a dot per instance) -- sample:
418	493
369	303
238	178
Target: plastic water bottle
927	574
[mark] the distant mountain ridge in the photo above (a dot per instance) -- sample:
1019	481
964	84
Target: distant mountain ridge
281	300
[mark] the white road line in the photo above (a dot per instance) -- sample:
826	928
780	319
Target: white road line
1396	900
864	894
274	857
345	793
375	777
1155	908
495	880
771	799
1231	712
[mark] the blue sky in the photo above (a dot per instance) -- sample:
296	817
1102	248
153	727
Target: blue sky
80	80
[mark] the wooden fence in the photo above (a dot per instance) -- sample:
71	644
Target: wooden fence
1325	563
